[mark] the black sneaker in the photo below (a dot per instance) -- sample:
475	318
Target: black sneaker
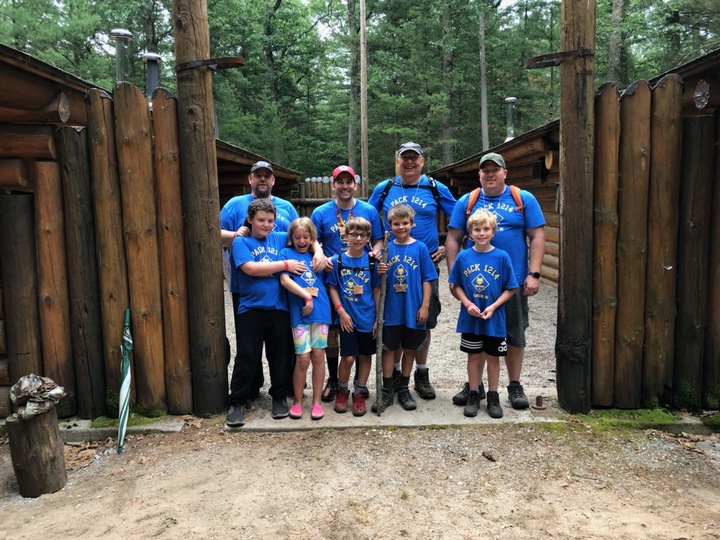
405	399
328	393
396	379
494	409
280	408
422	384
517	396
473	404
462	396
235	416
387	400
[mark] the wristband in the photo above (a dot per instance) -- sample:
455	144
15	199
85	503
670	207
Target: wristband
338	307
308	299
236	235
287	266
467	306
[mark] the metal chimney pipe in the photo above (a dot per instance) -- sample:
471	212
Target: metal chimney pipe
122	37
152	72
510	118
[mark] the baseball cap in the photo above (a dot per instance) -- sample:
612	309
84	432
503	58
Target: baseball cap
410	147
495	158
343	169
261	165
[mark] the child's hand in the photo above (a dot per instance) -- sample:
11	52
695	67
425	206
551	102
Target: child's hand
318	262
374	330
296	267
422	316
487	313
474	311
328	264
308	307
382	268
346	322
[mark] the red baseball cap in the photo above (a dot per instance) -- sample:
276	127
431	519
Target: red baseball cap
343	169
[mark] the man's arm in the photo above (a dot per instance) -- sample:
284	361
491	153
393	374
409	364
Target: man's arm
536	236
452	245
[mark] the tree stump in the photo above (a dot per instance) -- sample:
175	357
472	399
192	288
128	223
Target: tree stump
37	453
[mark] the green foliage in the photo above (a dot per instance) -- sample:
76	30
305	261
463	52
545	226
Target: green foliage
608	420
134	420
712	421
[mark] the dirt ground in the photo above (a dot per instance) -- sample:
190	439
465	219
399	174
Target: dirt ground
488	481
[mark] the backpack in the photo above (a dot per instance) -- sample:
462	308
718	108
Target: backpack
432	185
475	193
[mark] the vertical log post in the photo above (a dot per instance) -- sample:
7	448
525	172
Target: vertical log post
133	137
111	261
632	243
698	140
711	367
54	298
85	325
577	114
202	209
37	453
20	284
664	189
173	275
607	142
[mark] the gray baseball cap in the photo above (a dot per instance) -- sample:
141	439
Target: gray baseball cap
261	165
410	147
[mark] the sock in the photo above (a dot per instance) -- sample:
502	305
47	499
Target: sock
404	381
388	384
420	367
343	386
332	364
396	366
514	382
360	388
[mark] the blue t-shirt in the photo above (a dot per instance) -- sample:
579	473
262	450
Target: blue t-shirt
512	224
348	276
232	217
321	303
325	218
483	277
409	266
259	292
421	200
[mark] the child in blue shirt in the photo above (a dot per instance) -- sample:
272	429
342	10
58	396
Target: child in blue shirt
354	289
410	272
483	279
262	314
309	316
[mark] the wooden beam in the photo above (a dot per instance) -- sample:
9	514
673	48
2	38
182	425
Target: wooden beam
577	116
57	111
27	142
13	173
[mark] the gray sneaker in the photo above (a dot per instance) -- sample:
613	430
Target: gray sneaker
494	409
422	384
517	396
405	399
280	408
235	416
462	396
473	404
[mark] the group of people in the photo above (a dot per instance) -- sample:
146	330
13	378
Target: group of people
307	289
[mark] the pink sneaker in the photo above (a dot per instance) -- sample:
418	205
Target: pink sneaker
296	411
317	412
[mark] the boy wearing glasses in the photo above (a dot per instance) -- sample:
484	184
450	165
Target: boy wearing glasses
354	289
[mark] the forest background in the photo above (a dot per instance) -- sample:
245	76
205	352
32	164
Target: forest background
438	70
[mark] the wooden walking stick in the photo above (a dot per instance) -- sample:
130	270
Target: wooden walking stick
379	333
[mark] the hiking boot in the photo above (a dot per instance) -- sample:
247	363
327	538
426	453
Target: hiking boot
341	400
396	379
387	399
235	416
280	408
473	404
358	405
494	409
328	393
422	384
462	396
362	392
405	399
517	396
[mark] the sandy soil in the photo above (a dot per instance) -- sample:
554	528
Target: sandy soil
497	481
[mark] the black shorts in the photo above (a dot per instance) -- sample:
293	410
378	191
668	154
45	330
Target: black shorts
478	343
395	337
435	306
517	319
355	343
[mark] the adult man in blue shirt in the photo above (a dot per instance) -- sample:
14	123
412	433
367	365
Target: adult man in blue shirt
428	198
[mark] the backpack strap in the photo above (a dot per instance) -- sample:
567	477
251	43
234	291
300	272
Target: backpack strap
432	186
475	193
371	265
472	199
515	192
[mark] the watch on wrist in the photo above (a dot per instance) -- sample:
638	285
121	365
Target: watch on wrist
536	275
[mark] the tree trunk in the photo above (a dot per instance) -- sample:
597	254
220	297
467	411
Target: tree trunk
447	83
616	41
354	104
483	78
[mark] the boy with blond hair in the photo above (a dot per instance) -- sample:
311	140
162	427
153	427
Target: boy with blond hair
482	279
